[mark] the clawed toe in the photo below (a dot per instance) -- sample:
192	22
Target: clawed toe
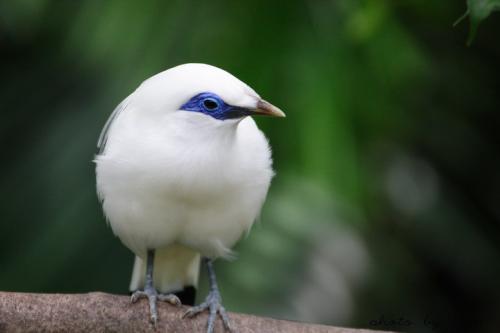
153	296
137	295
171	298
195	310
213	305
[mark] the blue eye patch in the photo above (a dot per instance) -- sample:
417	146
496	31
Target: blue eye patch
212	105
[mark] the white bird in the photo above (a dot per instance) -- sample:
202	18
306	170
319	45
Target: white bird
182	173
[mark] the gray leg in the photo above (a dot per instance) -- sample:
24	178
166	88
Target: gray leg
150	292
212	303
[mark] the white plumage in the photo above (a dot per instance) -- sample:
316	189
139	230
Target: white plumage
180	182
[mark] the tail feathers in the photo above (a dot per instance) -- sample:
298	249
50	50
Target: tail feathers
175	267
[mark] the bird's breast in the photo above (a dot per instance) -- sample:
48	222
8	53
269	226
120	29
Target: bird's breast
204	188
203	163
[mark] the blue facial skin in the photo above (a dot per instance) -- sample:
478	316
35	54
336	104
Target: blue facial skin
212	105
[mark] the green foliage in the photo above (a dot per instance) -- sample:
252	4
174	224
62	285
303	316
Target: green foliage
478	10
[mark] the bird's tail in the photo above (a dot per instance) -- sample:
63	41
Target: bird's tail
176	270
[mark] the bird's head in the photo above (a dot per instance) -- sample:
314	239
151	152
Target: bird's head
201	91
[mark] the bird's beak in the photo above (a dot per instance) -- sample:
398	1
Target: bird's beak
267	109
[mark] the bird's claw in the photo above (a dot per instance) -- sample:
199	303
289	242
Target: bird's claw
153	296
213	304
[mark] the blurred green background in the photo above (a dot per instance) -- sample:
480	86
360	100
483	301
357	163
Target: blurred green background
385	210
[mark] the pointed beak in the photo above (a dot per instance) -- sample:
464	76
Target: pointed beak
267	109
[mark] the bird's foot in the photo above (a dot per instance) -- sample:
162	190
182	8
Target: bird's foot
153	296
213	303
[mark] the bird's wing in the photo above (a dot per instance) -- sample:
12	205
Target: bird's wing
103	137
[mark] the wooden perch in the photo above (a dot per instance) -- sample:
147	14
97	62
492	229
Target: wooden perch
100	312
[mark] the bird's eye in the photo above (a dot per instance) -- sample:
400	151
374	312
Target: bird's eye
210	104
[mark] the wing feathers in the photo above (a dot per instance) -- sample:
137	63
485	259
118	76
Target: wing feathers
103	137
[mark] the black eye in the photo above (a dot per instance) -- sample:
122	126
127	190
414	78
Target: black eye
210	104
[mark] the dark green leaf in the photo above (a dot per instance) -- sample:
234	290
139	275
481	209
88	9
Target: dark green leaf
478	10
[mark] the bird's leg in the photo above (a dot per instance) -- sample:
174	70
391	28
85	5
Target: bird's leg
212	303
150	292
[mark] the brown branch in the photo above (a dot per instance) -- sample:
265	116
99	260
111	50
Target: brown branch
100	312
